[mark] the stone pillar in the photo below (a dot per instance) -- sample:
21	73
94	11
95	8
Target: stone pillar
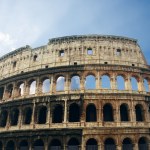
51	85
5	93
67	84
135	146
128	83
141	85
100	82
33	115
38	86
82	84
65	112
48	114
113	82
20	117
8	120
26	88
97	81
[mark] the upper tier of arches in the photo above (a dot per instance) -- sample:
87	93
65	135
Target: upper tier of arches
74	50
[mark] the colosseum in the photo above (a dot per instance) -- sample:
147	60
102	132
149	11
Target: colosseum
89	92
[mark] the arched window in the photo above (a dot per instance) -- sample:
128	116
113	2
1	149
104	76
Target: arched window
10	145
139	112
108	112
73	144
143	144
1	145
32	87
1	92
21	89
146	85
109	144
57	114
60	83
10	90
90	82
134	84
91	144
38	145
105	79
55	145
27	115
120	83
75	83
124	116
14	115
3	118
23	145
46	86
74	113
42	112
91	115
127	144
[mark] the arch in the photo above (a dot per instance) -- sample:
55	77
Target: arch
91	144
27	115
46	86
55	145
108	112
21	89
90	82
127	144
60	83
57	114
124	115
146	85
10	145
1	145
75	82
23	145
120	83
109	144
3	118
134	84
74	113
42	113
105	80
91	114
14	115
10	90
143	144
38	145
139	112
32	87
73	144
1	92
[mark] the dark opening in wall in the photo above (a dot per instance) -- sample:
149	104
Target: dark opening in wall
42	112
27	115
89	51
38	145
75	63
91	144
109	144
124	112
1	92
57	114
91	115
14	64
35	58
105	62
23	145
108	113
139	112
118	52
10	90
10	145
54	145
74	113
46	66
14	117
133	65
3	118
127	144
61	53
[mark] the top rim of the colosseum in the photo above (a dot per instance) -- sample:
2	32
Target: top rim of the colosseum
71	37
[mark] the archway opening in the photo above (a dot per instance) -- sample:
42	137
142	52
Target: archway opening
14	117
91	114
60	83
108	113
46	86
127	144
55	145
73	144
1	145
57	114
1	92
146	85
143	144
3	118
9	91
38	145
74	113
105	79
27	115
10	145
75	83
139	113
90	82
32	87
42	113
91	144
124	112
120	83
109	144
134	84
23	145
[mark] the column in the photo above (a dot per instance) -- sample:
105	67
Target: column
20	117
48	114
65	112
8	120
113	82
38	86
98	81
26	88
51	85
33	115
128	83
67	83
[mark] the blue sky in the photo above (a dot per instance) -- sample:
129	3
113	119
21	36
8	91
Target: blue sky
33	22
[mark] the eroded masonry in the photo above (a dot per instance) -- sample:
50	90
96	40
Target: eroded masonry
87	92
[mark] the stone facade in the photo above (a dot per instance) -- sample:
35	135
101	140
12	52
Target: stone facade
40	108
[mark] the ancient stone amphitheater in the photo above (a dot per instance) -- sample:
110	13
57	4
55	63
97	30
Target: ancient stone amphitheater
86	92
